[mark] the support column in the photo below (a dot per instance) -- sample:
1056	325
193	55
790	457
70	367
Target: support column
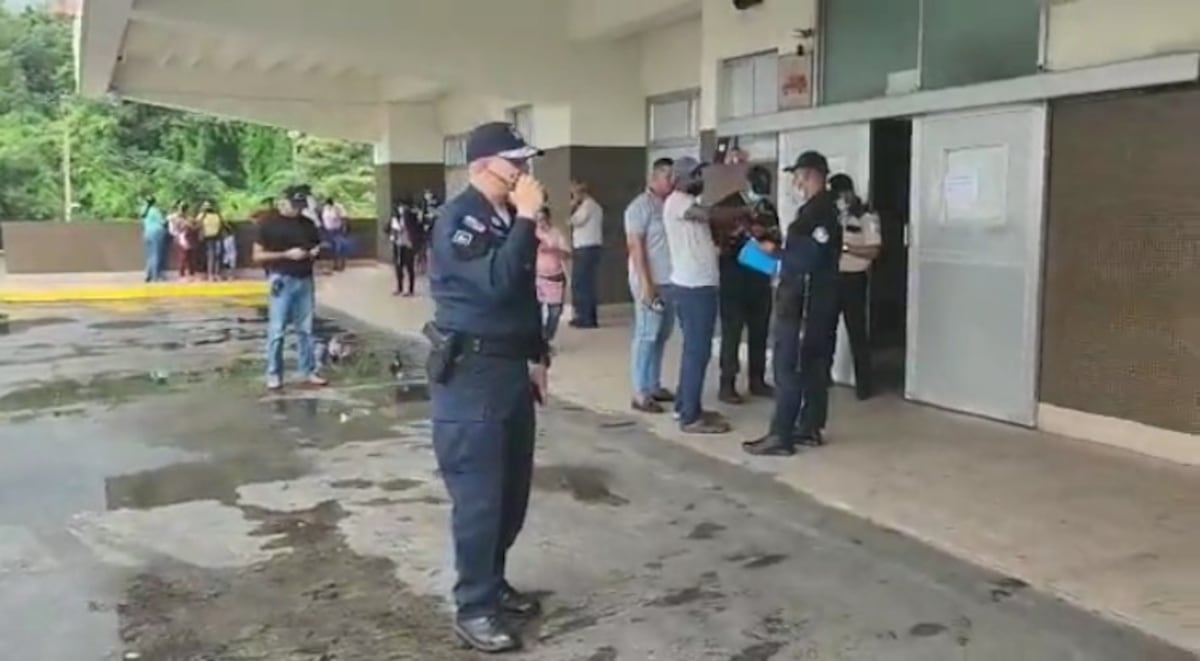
602	142
408	160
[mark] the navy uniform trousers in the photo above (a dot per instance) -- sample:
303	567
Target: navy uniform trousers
802	376
483	435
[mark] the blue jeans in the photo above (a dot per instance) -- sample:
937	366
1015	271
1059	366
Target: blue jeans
585	266
551	313
651	330
291	303
697	310
156	248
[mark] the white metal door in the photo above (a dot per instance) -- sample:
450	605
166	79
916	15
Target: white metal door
847	147
975	261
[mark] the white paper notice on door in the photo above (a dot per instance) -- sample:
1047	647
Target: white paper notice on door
974	185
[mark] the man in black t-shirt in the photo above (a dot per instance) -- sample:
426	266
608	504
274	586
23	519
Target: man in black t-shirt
286	246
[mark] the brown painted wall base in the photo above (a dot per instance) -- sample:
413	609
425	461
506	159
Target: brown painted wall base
102	247
394	181
615	176
1121	310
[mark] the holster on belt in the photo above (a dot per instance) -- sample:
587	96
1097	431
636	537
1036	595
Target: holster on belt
444	349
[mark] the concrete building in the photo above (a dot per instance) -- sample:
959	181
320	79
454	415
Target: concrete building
1033	161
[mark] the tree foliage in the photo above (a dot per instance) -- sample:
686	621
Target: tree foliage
120	152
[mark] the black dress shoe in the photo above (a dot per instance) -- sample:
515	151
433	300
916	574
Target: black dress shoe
812	439
663	395
762	389
770	445
519	604
488	634
729	395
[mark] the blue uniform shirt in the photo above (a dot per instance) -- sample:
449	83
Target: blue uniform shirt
809	266
482	270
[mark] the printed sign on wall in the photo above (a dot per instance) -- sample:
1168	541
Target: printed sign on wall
795	81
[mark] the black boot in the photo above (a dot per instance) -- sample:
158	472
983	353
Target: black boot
728	393
760	388
519	604
771	445
488	634
812	439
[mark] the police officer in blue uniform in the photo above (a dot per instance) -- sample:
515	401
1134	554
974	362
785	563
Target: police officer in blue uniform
805	315
487	367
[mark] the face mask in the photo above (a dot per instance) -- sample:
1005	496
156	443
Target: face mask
843	206
797	196
695	189
753	195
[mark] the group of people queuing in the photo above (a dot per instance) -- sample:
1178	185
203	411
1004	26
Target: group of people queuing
203	244
408	232
684	266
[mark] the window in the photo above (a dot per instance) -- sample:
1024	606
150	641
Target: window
521	118
750	85
454	149
674	117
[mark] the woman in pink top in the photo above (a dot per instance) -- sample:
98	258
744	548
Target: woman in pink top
553	252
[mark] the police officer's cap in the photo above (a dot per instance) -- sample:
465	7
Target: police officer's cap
499	139
810	160
296	194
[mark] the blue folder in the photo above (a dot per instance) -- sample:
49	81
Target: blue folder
752	256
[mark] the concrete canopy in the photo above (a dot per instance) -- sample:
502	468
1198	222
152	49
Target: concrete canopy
340	69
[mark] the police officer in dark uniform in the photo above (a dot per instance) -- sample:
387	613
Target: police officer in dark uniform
487	367
805	315
746	293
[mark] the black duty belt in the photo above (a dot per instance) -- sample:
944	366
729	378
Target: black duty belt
525	348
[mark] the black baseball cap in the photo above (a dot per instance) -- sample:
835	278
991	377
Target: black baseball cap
810	160
499	139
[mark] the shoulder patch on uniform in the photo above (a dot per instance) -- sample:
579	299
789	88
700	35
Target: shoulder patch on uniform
820	235
474	224
462	237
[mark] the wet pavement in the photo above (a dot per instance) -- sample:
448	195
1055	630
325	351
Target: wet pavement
154	504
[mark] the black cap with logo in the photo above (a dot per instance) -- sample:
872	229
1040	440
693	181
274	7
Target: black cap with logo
499	139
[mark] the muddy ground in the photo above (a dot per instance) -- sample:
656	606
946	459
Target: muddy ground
154	504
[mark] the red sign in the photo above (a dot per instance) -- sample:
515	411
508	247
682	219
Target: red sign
795	81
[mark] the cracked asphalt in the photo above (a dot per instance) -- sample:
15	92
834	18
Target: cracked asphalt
154	504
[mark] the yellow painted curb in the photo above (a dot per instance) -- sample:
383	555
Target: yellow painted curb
138	292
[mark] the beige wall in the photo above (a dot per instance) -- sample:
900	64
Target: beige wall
1089	32
728	33
671	58
102	247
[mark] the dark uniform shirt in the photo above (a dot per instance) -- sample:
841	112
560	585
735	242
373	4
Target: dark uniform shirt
482	270
279	233
809	267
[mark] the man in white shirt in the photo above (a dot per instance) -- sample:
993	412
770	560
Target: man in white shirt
587	241
861	242
694	280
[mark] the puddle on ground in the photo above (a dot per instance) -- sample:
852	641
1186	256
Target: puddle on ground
585	483
123	324
318	601
9	326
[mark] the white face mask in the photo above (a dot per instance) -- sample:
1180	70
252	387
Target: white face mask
843	206
797	196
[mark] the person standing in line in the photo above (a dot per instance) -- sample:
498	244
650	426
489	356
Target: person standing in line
287	245
587	241
180	226
746	293
553	253
427	213
154	239
694	280
487	367
402	231
805	315
862	240
334	224
650	284
211	224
